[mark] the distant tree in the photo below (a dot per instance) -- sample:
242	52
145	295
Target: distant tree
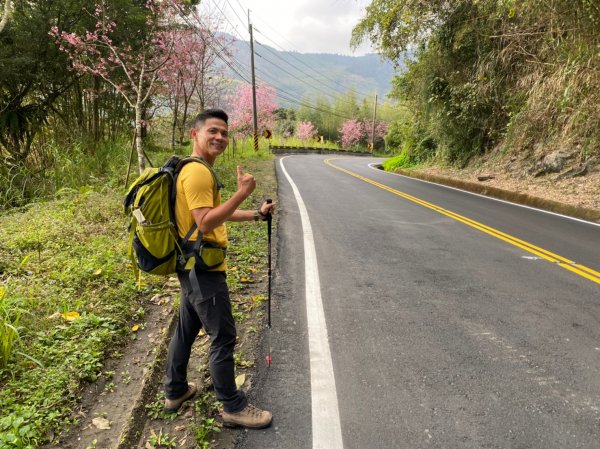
285	121
352	132
241	109
305	130
130	62
192	75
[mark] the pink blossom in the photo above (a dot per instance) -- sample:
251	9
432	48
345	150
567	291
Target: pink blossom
241	108
352	132
305	130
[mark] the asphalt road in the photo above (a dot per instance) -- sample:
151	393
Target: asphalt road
450	320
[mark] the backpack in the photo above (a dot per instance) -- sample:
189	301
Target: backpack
154	244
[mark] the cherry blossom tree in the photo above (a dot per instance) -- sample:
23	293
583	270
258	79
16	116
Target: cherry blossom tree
381	129
193	76
352	132
241	109
129	61
305	130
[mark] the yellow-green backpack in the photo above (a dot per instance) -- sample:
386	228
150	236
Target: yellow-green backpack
154	244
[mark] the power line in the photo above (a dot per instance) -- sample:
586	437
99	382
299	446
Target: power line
303	62
297	59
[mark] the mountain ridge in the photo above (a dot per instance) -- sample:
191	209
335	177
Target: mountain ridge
297	76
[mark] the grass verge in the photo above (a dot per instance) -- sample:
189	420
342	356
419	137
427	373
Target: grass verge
68	297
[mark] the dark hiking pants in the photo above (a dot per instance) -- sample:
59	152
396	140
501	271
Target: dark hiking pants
210	308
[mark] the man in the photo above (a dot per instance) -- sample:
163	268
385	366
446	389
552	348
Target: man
210	307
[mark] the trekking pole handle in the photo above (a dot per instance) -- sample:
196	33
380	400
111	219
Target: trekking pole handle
269	216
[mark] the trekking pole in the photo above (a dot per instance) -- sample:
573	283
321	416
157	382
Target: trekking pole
269	221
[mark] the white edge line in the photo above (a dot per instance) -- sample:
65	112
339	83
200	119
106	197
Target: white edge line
372	166
326	427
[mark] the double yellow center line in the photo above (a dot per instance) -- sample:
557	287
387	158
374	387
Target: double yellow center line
562	262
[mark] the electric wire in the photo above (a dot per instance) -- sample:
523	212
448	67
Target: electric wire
327	86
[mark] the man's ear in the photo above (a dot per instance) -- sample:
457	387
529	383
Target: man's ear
193	133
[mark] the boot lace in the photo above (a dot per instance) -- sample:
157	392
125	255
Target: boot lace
253	411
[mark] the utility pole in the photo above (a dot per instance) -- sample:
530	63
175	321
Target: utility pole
254	112
373	128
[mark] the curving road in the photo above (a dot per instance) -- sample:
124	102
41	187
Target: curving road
411	315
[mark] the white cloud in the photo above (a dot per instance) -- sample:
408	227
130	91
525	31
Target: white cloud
307	26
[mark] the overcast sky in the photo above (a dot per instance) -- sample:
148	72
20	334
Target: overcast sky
306	26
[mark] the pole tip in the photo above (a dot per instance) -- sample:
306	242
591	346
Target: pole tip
268	360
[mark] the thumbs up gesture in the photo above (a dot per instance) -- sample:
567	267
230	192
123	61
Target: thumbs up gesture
246	182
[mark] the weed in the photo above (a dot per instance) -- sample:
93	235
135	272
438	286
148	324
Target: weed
206	407
156	408
125	377
161	440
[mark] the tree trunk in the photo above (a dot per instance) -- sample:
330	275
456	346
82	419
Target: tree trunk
138	137
96	111
5	14
175	117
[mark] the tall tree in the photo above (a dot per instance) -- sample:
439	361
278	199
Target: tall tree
5	14
241	109
32	72
129	61
193	76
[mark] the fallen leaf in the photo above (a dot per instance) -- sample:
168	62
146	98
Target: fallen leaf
246	280
98	272
179	428
135	328
240	380
70	316
101	423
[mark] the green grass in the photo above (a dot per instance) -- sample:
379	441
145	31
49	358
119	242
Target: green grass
68	255
68	291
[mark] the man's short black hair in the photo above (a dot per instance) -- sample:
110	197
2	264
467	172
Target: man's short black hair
209	113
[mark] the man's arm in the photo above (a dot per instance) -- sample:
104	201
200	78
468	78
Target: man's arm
208	218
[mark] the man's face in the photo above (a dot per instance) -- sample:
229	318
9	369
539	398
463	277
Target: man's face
211	139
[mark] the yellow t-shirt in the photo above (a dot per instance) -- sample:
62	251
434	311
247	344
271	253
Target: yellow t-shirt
195	189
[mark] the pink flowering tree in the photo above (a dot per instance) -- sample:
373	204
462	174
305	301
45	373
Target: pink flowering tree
352	132
192	78
305	130
131	62
242	123
380	131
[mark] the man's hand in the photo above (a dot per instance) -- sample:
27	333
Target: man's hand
266	208
246	182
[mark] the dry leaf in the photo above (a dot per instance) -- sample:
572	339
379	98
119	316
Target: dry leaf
101	423
70	316
240	380
135	328
98	272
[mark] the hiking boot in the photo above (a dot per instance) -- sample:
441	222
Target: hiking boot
250	417
172	405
